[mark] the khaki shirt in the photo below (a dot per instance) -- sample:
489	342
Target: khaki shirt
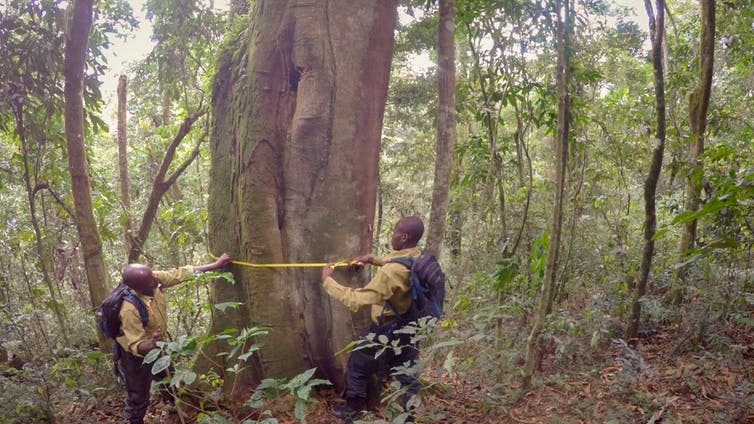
133	331
390	283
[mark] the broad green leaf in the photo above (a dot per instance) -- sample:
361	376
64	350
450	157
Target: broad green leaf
151	356
161	364
300	379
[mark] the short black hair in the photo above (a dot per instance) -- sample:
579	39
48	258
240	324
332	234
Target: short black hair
413	227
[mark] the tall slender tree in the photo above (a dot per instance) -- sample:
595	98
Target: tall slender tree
698	107
76	43
657	32
125	181
446	124
564	10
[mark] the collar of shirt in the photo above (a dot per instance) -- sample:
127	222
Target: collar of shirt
409	251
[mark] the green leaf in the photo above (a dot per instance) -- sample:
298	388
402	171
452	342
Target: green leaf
347	348
175	381
440	345
225	305
449	362
300	409
300	379
182	375
304	392
151	356
318	382
190	377
161	364
660	233
268	383
246	355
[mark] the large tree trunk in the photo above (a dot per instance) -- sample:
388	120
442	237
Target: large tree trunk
657	30
561	159
446	124
698	106
125	182
73	69
298	108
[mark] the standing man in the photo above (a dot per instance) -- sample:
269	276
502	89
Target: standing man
388	290
138	338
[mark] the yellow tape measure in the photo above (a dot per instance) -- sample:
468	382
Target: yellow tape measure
337	264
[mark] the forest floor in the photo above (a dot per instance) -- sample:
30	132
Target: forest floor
652	381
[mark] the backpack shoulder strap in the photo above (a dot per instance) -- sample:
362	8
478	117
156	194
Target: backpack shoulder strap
135	300
406	261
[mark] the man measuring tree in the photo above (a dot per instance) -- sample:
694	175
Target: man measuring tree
408	285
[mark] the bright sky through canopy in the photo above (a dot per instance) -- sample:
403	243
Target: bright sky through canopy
123	53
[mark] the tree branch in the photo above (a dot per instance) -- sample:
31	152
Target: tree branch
161	185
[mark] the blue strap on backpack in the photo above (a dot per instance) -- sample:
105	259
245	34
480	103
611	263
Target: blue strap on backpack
135	300
427	284
108	312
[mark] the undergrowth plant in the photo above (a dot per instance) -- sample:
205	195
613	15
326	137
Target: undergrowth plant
241	345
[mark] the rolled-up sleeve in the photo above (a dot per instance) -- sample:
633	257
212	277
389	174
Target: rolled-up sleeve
380	289
174	276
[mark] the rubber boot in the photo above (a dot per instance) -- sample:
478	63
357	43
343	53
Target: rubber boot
350	411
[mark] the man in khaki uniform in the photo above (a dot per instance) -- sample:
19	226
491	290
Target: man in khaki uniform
138	339
387	290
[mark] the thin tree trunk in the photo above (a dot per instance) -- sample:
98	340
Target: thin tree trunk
698	106
125	183
446	125
522	153
42	257
561	158
33	300
73	69
161	184
495	169
657	31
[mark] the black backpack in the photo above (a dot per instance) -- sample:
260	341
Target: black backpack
108	312
427	283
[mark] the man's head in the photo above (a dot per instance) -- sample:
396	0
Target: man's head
407	232
140	278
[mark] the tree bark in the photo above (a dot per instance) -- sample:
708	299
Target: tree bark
298	109
657	31
561	158
125	183
446	125
73	70
698	106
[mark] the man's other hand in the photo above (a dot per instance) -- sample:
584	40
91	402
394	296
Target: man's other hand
361	260
223	260
327	271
